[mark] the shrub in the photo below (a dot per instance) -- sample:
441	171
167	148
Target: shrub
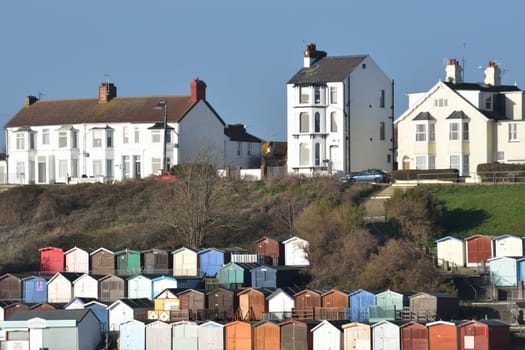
499	172
430	174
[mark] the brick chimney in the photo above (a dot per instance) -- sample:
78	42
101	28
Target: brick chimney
106	92
453	71
29	100
492	74
311	55
198	90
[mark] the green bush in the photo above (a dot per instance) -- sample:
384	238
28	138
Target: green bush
431	174
498	172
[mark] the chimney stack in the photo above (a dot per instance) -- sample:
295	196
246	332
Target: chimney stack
454	71
106	92
492	74
198	90
29	100
311	55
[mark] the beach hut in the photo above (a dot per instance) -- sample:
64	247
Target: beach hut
86	286
102	261
235	275
185	262
185	335
484	335
266	335
11	286
51	259
128	309
296	252
156	261
333	305
274	276
158	336
195	302
128	262
60	287
51	329
252	304
389	305
305	303
101	312
414	336
111	288
386	335
357	335
426	307
210	336
132	335
222	304
140	287
443	335
280	304
77	260
450	252
34	289
297	334
360	301
503	271
238	335
160	283
210	261
328	335
478	249
270	250
507	245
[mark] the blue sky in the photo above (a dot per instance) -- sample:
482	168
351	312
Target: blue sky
245	51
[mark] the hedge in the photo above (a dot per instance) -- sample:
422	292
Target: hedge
499	172
430	174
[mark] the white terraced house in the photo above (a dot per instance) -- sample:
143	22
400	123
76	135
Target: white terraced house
117	138
340	115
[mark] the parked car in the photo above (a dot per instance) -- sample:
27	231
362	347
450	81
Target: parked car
369	175
166	176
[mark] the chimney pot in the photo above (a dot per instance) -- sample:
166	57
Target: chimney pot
453	72
492	74
29	100
106	92
198	90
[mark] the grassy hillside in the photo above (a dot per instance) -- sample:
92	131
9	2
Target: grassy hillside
483	209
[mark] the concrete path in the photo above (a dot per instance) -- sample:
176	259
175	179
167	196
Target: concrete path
375	205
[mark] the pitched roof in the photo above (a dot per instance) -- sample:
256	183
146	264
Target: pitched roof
89	110
424	116
23	315
237	132
458	115
482	87
328	69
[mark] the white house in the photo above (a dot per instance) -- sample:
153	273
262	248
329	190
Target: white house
158	336
241	148
139	287
210	336
340	115
458	125
112	137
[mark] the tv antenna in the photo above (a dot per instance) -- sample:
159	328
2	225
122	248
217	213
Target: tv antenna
463	60
40	94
